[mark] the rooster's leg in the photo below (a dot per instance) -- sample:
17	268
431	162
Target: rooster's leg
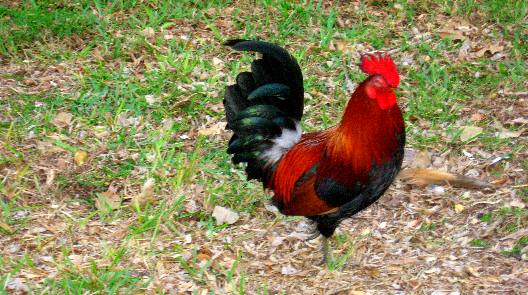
314	233
325	250
313	236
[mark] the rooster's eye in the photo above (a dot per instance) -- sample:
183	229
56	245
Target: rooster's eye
378	81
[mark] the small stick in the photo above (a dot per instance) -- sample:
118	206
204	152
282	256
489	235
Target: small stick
521	93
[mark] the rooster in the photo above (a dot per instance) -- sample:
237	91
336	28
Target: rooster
326	176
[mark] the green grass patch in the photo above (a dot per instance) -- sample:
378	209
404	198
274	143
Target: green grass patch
486	217
97	279
479	243
33	21
515	251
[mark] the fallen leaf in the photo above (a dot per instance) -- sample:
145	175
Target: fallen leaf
191	206
471	271
505	133
464	50
76	259
13	248
499	181
477	117
17	284
492	49
100	132
408	156
4	226
271	208
151	99
225	215
203	257
288	270
62	119
299	236
146	196
413	223
80	157
517	203
97	54
108	201
519	121
469	132
217	62
30	82
50	177
451	32
436	189
459	208
215	129
497	56
148	32
365	232
422	159
187	239
342	45
277	241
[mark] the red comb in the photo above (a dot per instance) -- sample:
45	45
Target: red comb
378	64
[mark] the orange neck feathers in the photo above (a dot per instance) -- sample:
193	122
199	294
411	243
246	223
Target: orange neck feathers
368	134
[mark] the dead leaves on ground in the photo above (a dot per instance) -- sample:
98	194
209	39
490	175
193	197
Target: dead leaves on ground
477	41
426	252
455	29
62	119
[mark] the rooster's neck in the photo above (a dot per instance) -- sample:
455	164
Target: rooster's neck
367	134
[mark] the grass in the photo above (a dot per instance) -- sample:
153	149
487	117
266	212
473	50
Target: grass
516	249
37	23
98	279
142	79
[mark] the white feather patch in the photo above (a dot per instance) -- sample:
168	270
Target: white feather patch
283	143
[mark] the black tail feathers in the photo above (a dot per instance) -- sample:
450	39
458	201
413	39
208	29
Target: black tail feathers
262	105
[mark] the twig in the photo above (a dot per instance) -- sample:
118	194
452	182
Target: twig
340	290
520	93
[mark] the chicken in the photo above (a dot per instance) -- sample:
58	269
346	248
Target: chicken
326	176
